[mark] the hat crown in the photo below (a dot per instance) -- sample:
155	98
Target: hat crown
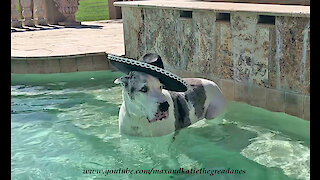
153	59
170	81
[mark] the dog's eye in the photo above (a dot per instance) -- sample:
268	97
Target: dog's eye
144	89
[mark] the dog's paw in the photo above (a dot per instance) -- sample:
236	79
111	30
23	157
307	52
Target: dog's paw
117	81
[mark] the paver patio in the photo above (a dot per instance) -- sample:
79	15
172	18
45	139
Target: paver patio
92	37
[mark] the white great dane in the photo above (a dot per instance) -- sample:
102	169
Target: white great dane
149	110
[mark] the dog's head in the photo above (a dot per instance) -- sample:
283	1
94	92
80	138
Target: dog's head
143	97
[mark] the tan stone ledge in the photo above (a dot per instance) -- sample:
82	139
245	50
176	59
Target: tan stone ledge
263	9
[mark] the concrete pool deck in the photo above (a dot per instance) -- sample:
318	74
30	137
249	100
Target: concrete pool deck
92	37
56	49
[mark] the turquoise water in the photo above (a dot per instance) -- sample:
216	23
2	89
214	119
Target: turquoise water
63	124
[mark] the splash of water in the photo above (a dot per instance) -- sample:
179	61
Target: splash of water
272	149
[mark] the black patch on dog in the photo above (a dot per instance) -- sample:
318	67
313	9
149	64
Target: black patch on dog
197	96
181	111
132	90
164	106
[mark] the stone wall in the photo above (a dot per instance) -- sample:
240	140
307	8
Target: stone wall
60	64
258	59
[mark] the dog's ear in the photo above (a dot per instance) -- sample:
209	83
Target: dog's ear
122	80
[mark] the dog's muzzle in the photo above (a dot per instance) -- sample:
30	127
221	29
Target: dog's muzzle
161	113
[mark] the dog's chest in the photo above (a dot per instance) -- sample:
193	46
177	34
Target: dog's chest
141	127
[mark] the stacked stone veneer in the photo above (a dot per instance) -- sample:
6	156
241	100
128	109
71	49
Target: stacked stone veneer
262	64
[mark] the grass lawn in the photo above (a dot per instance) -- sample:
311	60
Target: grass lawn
89	10
92	10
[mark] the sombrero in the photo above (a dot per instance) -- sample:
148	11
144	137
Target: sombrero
151	64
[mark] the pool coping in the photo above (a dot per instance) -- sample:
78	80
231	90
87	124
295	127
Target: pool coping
263	9
57	56
60	64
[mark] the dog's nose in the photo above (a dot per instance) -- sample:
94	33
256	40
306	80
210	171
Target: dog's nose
164	106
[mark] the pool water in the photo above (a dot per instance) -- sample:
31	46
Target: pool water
63	124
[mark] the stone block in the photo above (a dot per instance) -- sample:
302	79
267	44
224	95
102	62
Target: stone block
224	49
35	66
162	37
186	45
306	64
100	62
306	108
134	31
215	80
204	60
292	52
275	100
243	26
84	63
273	65
51	66
68	65
261	56
12	64
228	89
19	66
294	104
241	92
258	96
